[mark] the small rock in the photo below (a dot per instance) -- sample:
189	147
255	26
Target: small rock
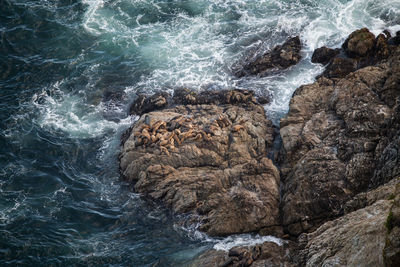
324	54
144	103
281	57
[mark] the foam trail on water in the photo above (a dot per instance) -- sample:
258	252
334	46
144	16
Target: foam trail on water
245	240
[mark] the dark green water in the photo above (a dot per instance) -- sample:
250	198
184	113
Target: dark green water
68	71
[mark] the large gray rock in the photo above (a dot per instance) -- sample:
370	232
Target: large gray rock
207	160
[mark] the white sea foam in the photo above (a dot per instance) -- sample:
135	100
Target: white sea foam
245	240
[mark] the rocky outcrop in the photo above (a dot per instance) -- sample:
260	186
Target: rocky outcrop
266	254
340	137
360	49
279	58
358	238
206	156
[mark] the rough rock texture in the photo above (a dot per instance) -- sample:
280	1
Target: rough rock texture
340	137
145	103
324	54
207	160
266	254
356	239
359	43
281	57
361	49
391	252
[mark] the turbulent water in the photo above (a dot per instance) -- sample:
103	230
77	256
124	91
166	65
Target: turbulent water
68	71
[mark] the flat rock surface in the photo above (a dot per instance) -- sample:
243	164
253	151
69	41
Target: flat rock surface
208	161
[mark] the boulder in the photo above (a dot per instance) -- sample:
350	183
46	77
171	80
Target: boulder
340	138
279	58
359	43
324	55
207	158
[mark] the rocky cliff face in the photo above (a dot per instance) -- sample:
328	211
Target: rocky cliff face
341	137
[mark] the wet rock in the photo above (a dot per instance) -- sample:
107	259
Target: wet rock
324	55
395	40
340	138
188	97
356	239
207	160
281	57
339	67
266	254
360	50
359	43
144	103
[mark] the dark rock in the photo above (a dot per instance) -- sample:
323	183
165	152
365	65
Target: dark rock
359	43
324	54
395	40
281	57
340	67
263	100
208	160
188	97
362	50
144	103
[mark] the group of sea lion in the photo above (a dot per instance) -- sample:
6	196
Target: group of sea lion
167	135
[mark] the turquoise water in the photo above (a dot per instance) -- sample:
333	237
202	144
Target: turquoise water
68	71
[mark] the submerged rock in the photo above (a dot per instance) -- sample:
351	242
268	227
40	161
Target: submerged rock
279	58
207	158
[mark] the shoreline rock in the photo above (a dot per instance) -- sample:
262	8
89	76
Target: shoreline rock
206	156
360	49
279	58
339	139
